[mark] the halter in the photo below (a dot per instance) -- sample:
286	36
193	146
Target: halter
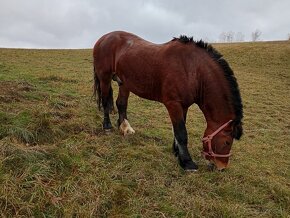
208	139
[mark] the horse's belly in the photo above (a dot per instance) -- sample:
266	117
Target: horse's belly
145	95
142	86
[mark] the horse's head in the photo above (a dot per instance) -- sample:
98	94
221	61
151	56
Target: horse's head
217	145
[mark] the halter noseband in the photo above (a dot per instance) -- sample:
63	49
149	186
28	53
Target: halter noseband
208	139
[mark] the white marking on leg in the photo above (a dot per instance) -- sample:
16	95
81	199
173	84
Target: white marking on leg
181	153
180	150
125	128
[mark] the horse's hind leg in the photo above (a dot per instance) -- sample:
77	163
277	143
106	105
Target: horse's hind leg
122	102
107	102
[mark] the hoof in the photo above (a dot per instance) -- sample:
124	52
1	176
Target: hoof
108	131
125	128
191	170
189	166
107	127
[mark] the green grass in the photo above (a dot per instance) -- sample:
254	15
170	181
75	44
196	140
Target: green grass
55	160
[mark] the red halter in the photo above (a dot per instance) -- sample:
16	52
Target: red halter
208	139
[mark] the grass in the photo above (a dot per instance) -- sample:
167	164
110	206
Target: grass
56	161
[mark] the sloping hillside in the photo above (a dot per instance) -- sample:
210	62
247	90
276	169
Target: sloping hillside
55	159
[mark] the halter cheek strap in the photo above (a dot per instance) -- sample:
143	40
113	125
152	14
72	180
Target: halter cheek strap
208	139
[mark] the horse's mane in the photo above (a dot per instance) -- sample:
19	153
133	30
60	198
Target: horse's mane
229	75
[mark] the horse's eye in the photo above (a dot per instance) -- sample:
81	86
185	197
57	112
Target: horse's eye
228	143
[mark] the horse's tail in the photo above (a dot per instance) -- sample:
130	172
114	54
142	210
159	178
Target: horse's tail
97	90
111	99
97	93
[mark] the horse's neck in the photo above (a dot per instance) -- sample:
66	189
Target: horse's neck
215	99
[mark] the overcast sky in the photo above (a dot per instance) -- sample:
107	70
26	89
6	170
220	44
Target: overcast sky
79	23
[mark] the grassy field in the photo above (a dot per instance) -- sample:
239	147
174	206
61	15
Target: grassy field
55	161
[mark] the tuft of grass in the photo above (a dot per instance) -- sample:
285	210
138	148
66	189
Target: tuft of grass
54	78
16	126
30	128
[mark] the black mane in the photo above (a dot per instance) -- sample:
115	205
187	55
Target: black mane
184	39
229	75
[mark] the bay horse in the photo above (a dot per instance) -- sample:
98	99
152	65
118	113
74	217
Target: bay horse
178	74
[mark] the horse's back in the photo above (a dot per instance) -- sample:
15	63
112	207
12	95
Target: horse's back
154	71
107	48
114	40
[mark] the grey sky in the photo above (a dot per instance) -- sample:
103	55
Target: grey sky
79	23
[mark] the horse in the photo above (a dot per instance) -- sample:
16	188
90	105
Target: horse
178	73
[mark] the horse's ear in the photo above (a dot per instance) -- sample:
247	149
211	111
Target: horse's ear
238	130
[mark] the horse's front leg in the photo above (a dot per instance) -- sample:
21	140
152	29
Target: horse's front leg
174	145
122	102
176	113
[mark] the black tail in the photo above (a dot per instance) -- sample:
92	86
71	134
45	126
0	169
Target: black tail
111	99
97	93
97	90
